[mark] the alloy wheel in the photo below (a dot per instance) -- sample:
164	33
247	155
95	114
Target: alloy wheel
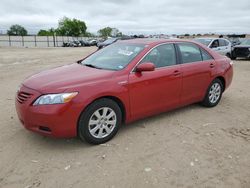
102	122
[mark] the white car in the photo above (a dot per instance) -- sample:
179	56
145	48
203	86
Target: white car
220	45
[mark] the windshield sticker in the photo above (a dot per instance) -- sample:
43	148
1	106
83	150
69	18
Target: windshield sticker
120	67
125	52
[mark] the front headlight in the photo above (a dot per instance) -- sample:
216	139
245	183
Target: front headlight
55	98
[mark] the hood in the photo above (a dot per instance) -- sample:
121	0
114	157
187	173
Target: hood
69	76
242	46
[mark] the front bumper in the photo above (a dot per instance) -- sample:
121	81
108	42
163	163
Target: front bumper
57	120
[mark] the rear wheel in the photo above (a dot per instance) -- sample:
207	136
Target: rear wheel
213	94
100	121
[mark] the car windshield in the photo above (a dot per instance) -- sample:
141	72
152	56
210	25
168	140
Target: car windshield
246	42
206	42
114	57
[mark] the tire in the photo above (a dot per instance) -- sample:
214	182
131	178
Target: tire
106	117
233	57
228	55
214	93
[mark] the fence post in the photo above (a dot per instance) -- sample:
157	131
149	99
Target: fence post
22	41
48	40
35	40
54	42
9	41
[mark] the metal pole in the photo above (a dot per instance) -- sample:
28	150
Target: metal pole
22	41
48	40
9	41
54	42
35	40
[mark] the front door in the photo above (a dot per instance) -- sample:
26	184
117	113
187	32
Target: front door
159	90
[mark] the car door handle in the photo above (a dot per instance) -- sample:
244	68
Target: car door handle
176	73
212	65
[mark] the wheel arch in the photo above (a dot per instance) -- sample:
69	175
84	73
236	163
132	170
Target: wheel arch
223	81
115	99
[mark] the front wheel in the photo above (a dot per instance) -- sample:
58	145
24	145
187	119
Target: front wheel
213	94
100	121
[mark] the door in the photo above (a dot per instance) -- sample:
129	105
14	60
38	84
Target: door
197	67
219	45
159	90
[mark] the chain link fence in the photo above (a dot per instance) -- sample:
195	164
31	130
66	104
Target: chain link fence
36	41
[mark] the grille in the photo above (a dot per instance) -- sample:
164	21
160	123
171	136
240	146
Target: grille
23	96
242	52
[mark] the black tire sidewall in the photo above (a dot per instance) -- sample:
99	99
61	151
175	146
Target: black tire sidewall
83	131
206	102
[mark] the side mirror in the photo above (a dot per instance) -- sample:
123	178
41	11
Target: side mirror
147	66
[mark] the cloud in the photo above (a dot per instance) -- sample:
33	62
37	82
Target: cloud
132	16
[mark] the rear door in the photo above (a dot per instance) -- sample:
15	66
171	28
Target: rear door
222	47
158	90
197	67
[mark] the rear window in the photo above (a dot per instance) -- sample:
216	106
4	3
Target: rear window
206	42
205	55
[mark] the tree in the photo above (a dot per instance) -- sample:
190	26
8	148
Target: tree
44	32
17	30
71	27
105	32
108	32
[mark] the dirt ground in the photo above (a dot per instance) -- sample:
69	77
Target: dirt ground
189	147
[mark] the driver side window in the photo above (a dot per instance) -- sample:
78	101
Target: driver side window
161	56
215	44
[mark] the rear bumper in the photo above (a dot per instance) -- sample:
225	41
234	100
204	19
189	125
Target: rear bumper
59	120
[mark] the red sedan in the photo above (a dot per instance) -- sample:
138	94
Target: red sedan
121	83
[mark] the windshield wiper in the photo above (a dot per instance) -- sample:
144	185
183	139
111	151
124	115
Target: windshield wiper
92	66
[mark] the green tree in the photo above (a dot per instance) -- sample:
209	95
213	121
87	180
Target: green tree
44	32
17	30
108	32
71	27
105	32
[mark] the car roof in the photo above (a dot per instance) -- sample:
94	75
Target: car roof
152	41
210	38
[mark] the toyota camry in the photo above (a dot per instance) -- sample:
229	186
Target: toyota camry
121	83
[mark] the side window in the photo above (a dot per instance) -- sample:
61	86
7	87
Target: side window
190	53
226	42
215	44
205	55
222	42
161	56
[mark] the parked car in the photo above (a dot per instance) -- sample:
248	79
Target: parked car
220	45
84	43
74	43
234	41
242	50
106	42
66	44
92	42
121	83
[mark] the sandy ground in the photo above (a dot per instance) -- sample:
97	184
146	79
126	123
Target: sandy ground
189	147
